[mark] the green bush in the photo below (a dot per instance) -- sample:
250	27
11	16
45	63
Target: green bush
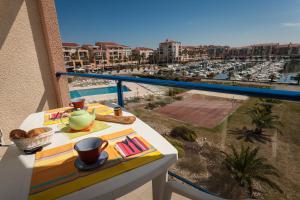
268	100
151	106
178	146
178	98
174	91
150	97
133	100
180	151
184	133
159	103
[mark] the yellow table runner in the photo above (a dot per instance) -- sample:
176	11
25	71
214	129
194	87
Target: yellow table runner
54	174
100	109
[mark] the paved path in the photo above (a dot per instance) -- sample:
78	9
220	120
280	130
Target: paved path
218	94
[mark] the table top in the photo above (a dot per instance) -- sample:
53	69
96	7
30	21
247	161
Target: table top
16	168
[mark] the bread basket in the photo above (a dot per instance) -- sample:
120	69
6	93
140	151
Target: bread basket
33	142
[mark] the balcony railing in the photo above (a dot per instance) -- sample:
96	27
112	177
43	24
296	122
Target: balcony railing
252	92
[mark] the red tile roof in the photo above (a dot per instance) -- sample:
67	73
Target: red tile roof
70	44
143	48
110	44
88	45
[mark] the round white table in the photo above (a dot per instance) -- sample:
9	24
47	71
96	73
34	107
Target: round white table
16	168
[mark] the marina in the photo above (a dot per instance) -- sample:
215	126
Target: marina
261	71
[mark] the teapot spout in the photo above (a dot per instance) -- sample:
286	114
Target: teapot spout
94	113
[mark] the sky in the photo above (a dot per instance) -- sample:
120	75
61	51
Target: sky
192	22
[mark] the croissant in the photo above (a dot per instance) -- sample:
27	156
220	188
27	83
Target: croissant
36	131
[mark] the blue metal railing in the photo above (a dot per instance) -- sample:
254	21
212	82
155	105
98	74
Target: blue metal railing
254	92
189	183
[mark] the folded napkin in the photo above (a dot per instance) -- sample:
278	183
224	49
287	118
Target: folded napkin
129	148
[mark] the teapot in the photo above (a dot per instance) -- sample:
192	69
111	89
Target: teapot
81	119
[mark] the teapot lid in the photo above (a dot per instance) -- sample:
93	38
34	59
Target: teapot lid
78	112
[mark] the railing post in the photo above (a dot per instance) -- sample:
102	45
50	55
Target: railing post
120	94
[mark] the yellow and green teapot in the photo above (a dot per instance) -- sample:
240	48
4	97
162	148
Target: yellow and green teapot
81	119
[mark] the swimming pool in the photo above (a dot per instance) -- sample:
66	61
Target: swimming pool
96	91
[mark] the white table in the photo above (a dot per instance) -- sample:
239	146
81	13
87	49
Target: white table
16	168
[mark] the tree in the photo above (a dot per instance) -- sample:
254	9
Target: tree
111	60
272	77
248	76
230	75
246	167
262	117
211	75
143	57
298	78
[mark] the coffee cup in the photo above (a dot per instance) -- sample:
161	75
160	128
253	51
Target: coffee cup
90	149
77	103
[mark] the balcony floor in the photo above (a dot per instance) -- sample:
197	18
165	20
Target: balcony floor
145	193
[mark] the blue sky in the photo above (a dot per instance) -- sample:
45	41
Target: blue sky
147	22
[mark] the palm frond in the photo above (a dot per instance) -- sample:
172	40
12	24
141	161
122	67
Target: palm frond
246	166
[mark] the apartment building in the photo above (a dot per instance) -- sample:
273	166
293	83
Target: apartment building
114	53
217	52
264	50
170	51
193	53
143	54
294	50
75	55
96	54
239	52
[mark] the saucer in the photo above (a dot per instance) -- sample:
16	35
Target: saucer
84	167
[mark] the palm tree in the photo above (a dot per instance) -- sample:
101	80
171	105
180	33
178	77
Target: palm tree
248	76
272	77
211	75
143	57
246	167
298	78
230	75
262	118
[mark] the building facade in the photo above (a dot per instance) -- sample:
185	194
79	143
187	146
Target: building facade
75	55
114	53
170	51
97	56
265	51
217	52
194	53
142	54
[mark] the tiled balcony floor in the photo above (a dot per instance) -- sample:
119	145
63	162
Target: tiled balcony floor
145	193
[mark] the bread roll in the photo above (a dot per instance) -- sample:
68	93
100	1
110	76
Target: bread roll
36	131
18	134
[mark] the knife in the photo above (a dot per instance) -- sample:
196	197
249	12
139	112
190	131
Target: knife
127	144
137	146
